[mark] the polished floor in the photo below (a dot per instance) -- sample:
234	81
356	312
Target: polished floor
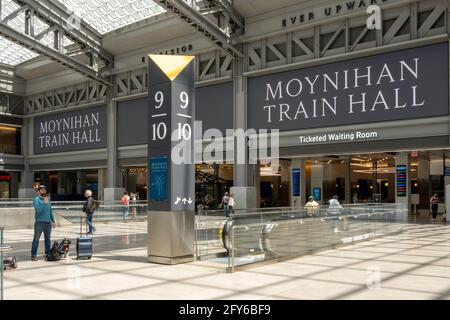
109	236
411	265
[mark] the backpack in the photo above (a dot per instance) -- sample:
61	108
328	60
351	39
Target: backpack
55	252
9	263
96	204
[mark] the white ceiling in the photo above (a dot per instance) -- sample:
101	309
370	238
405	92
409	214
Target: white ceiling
108	15
102	15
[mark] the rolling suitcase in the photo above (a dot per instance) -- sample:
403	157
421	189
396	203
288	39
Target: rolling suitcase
84	244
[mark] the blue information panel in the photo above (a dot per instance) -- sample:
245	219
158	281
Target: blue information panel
296	182
447	171
317	193
159	169
401	181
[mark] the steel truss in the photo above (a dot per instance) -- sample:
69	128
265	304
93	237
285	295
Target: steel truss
214	19
416	20
85	55
408	22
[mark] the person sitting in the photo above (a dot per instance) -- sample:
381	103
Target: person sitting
312	206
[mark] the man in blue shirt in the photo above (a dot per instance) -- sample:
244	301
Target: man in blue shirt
44	222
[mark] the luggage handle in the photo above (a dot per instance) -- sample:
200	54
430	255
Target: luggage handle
81	227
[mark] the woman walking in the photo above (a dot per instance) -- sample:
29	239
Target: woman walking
434	206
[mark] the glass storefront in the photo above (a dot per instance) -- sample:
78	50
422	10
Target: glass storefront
10	139
275	184
5	185
69	185
134	180
370	178
360	178
211	182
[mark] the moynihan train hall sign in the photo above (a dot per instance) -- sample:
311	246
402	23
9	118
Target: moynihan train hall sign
70	131
406	84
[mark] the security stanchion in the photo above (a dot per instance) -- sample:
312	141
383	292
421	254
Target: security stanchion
3	248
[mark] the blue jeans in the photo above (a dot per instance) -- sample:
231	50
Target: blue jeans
125	213
226	209
89	222
40	227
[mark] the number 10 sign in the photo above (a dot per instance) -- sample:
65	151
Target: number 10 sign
171	122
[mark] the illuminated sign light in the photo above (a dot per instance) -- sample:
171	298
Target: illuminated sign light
401	180
296	182
317	193
5	178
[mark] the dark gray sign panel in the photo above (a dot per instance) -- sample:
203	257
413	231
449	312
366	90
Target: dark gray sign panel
70	131
406	84
132	122
214	106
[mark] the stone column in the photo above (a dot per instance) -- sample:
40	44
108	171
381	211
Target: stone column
348	182
243	189
391	181
101	183
61	183
257	178
317	181
375	189
447	189
14	186
423	183
27	176
112	191
81	182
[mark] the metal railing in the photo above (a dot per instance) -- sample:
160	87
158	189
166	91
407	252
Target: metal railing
104	213
208	226
21	214
252	236
3	248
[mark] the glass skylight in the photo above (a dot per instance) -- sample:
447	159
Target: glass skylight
102	15
14	54
11	53
108	15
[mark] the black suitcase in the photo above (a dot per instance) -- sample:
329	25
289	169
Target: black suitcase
84	244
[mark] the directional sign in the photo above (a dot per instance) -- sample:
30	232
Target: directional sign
171	125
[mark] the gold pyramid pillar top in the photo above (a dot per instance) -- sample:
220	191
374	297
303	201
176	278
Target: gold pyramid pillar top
171	65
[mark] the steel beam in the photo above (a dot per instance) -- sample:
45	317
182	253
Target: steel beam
40	48
192	15
54	13
235	17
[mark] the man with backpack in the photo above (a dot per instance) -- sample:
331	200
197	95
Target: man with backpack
89	208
